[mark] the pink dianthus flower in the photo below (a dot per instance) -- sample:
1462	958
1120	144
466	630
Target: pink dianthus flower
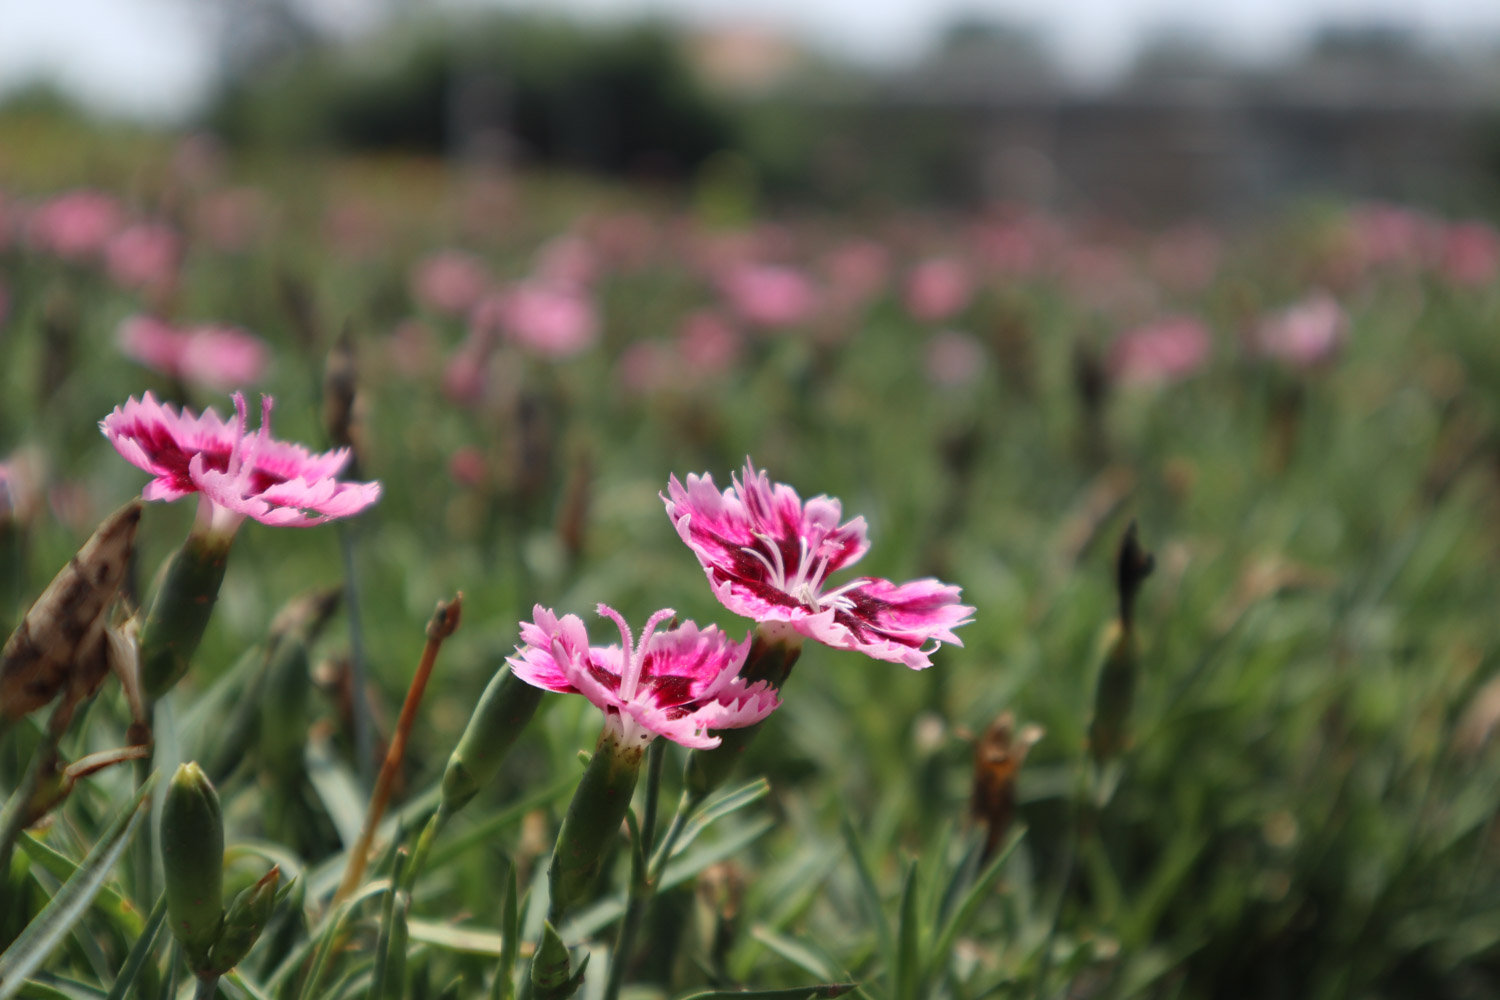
1306	334
75	225
1165	351
219	357
680	683
768	556
236	474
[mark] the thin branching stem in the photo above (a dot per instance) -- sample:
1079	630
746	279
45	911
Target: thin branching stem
444	622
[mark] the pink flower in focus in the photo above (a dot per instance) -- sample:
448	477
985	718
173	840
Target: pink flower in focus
708	344
214	356
680	683
450	281
1471	254
937	289
954	359
553	321
144	257
236	474
76	225
1165	351
769	295
768	555
1305	335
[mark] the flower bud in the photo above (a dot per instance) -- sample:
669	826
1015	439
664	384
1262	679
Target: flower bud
507	705
63	627
1109	731
284	707
192	856
773	653
592	822
180	610
247	916
550	978
998	756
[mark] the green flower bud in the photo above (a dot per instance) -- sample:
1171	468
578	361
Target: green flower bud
592	822
180	611
507	705
284	707
192	857
247	916
773	652
550	978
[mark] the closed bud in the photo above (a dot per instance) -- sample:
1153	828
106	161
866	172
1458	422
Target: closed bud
774	650
507	705
592	822
192	856
180	610
284	707
1109	733
61	633
247	916
551	975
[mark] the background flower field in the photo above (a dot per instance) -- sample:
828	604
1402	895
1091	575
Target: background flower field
1298	411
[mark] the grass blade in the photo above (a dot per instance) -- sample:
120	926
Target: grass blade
136	960
32	946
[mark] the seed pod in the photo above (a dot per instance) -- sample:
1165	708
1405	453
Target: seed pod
507	705
41	656
1109	733
192	856
247	916
180	611
998	756
550	979
592	821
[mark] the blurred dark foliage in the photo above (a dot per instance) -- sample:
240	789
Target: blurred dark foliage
533	90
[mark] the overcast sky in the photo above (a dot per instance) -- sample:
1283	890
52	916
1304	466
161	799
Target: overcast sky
154	57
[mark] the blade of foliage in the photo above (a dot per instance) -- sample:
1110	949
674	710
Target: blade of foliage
822	991
967	907
125	916
136	960
67	907
871	895
908	936
795	952
716	809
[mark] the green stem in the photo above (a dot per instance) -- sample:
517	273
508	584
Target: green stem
13	816
641	886
207	988
435	824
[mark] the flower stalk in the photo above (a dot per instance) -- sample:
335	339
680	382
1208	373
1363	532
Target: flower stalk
443	623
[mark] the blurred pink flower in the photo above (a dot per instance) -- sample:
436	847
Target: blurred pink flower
857	272
553	321
449	281
144	256
1471	254
1165	351
954	358
707	343
218	357
465	375
467	466
646	367
1392	235
769	295
938	288
767	556
680	683
75	226
1186	259
569	261
234	219
236	474
1306	334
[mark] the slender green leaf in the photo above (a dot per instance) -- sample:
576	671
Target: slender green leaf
802	956
716	809
504	986
937	956
124	915
904	975
136	960
875	910
46	931
822	991
485	829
